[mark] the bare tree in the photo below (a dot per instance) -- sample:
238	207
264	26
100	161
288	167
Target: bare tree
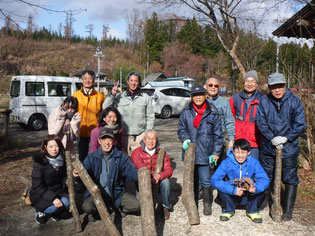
68	27
89	29
105	31
30	25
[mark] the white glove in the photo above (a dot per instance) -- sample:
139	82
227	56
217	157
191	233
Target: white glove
279	147
278	140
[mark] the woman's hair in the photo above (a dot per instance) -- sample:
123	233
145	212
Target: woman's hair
43	151
242	144
73	101
105	112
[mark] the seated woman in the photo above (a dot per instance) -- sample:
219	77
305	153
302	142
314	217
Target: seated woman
111	118
65	118
48	193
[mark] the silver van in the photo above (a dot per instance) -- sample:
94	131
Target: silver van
32	97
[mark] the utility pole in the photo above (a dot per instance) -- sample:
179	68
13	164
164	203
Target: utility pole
278	46
120	77
99	55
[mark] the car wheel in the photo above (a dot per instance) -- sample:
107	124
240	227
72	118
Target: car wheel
166	112
36	123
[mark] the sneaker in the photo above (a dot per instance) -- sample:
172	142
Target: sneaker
40	218
255	217
226	216
55	217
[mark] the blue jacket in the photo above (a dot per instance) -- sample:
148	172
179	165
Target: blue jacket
280	118
121	167
224	109
231	169
208	137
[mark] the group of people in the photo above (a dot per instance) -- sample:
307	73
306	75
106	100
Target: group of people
115	138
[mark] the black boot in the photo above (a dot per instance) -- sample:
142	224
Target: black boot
266	199
290	196
207	200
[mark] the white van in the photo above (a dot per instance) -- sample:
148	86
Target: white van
32	98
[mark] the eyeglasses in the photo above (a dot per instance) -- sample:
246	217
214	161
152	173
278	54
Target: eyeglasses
213	85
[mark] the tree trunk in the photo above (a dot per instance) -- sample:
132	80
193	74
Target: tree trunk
6	122
146	202
188	196
158	168
276	209
73	206
110	228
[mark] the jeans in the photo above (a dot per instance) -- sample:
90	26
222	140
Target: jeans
166	192
52	209
251	201
202	173
254	152
83	147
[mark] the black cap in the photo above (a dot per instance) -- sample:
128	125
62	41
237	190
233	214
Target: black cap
105	131
198	89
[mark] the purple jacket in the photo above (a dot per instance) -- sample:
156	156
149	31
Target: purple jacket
119	139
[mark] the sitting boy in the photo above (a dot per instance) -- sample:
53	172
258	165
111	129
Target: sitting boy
240	165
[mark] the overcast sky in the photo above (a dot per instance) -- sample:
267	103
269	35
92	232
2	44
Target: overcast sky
112	12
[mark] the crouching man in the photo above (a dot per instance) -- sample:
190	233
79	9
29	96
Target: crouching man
108	167
146	155
240	165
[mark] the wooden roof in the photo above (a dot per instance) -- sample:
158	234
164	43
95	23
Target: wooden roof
301	25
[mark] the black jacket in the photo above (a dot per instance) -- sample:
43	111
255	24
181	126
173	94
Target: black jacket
47	183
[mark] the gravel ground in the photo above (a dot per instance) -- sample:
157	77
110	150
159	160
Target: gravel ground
18	219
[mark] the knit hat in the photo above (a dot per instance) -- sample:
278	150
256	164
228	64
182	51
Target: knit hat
253	74
276	78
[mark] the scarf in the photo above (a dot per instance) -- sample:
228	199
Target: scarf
56	162
134	93
114	127
199	114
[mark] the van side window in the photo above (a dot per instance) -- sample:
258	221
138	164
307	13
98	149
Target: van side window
15	89
59	89
35	89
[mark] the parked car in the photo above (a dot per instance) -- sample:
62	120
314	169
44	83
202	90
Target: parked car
168	101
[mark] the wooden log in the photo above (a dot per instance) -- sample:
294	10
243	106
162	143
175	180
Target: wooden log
110	228
188	196
5	130
158	168
73	207
276	209
146	202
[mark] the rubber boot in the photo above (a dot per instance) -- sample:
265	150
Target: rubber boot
290	196
207	200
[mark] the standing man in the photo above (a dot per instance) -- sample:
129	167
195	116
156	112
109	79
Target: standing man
146	156
90	105
212	86
244	109
280	118
136	110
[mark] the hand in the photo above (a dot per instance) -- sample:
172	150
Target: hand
76	116
231	143
57	203
185	144
252	188
279	147
157	178
115	88
240	191
75	173
278	140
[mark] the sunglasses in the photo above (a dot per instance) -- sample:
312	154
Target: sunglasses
213	85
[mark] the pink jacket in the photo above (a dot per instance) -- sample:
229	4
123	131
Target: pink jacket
119	139
56	123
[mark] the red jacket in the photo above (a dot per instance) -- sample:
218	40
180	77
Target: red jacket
141	158
245	119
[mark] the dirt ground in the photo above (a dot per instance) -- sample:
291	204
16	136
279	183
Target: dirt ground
16	218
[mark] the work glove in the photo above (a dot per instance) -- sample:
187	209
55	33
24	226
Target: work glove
212	160
279	147
185	144
279	140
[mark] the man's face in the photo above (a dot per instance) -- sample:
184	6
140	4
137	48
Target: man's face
250	84
87	81
150	140
212	87
240	155
106	143
198	98
277	90
133	82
